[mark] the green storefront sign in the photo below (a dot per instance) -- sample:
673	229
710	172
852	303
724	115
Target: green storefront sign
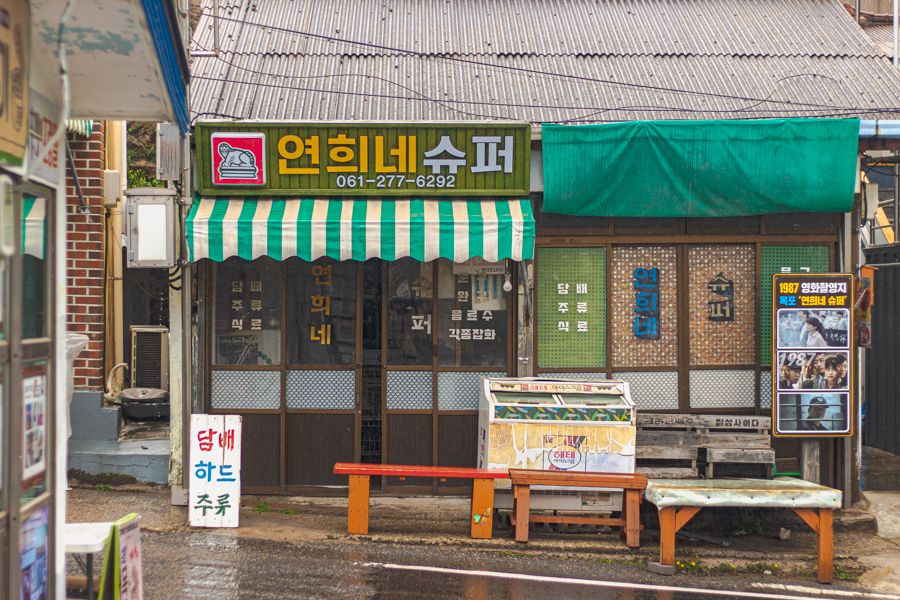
363	159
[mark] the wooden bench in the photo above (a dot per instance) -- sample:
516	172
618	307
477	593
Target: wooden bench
482	507
631	484
665	443
802	497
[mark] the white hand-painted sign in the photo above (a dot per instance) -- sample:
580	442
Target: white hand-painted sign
215	492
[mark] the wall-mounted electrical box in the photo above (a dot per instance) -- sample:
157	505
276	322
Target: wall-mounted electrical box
150	227
112	187
168	152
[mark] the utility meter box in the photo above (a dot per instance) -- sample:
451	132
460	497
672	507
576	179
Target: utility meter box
150	227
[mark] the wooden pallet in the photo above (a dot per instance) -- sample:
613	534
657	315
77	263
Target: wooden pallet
667	443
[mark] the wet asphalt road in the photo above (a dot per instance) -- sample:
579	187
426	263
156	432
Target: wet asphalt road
223	567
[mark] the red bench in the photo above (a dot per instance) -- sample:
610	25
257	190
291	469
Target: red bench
482	508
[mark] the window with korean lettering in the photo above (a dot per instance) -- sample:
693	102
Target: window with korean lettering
644	318
571	307
321	314
410	298
472	314
247	322
722	295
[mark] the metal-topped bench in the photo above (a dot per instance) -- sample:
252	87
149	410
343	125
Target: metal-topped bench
482	507
802	497
631	484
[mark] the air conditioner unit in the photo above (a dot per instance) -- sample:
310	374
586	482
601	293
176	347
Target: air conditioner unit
150	357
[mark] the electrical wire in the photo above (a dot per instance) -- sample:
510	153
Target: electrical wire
419	54
837	111
444	103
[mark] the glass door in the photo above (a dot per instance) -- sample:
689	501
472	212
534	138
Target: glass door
324	370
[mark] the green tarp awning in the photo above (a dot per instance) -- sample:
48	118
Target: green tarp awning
700	168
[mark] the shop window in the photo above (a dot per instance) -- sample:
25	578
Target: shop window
247	313
410	308
34	267
722	296
571	307
645	317
472	314
784	259
321	312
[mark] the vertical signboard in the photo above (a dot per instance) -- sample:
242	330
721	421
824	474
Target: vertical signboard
812	323
123	572
15	46
215	488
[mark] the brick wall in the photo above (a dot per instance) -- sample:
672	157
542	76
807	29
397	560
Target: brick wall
85	263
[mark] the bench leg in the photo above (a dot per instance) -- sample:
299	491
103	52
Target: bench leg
826	546
521	510
667	535
633	518
482	512
358	505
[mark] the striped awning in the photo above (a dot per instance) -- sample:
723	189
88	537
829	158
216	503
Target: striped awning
359	229
34	226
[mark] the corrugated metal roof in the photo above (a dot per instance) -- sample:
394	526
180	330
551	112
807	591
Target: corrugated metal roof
677	59
882	36
384	88
546	27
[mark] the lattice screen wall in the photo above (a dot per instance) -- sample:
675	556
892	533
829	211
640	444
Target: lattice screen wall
722	342
571	267
627	350
774	259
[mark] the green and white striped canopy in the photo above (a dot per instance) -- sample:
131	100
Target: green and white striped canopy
359	229
34	226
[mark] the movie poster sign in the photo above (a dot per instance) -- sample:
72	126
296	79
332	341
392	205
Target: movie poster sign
812	357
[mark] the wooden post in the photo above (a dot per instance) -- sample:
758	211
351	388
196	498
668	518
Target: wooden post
633	518
482	511
358	505
667	535
809	460
521	509
826	546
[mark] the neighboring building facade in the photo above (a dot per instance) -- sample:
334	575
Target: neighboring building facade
142	79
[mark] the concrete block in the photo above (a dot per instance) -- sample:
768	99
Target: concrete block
91	420
146	460
655	567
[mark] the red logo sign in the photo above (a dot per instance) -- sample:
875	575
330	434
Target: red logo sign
238	158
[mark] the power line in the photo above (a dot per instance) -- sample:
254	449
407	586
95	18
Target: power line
517	69
831	111
445	103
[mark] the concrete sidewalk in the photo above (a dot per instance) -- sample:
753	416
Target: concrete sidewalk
880	479
443	521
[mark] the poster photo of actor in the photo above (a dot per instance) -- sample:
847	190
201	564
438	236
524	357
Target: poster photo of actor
811	413
801	328
812	370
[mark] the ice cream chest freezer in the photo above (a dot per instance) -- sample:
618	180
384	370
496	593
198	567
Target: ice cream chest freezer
565	424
